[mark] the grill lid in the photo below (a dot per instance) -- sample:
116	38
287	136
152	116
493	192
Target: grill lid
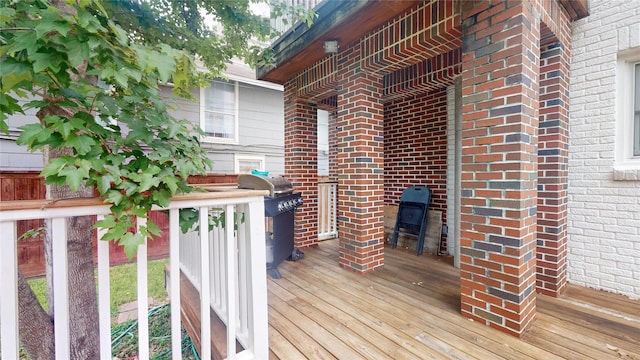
277	185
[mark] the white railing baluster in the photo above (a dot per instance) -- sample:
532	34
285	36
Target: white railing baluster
9	290
143	296
61	288
327	210
205	317
258	332
243	284
232	263
174	287
231	283
104	295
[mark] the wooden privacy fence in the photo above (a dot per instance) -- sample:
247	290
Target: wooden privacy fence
30	186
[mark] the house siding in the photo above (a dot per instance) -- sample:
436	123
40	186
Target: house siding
261	126
604	214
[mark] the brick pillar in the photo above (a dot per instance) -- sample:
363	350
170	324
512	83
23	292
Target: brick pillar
301	161
360	161
499	164
553	158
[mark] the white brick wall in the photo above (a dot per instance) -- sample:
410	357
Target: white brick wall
604	214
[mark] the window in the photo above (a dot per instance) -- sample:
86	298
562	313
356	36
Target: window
627	164
219	111
244	163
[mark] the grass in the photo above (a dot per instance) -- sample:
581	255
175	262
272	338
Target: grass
123	283
124	338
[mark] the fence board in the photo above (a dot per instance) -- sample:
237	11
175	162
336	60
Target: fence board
30	186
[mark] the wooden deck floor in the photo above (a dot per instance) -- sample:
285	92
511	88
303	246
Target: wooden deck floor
410	310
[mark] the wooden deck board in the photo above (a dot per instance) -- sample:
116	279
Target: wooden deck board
410	309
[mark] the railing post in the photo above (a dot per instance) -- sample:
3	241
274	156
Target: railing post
231	256
9	290
104	295
174	253
60	288
259	328
143	291
205	319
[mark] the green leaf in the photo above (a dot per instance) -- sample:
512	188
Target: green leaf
171	182
30	134
114	197
104	183
6	14
162	197
53	167
78	52
50	23
153	228
44	61
131	242
74	176
109	221
82	143
23	40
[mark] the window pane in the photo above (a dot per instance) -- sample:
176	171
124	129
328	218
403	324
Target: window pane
245	166
219	125
220	96
636	112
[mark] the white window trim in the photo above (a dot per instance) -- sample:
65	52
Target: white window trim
626	166
211	139
240	157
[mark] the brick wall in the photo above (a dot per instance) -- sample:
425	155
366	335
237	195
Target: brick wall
415	148
553	155
360	159
604	215
301	161
499	164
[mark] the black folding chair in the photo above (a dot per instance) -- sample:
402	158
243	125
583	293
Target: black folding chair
412	215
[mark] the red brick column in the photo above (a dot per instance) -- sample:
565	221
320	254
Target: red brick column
553	159
301	161
499	163
360	161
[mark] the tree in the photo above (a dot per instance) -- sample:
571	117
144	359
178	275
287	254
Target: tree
91	71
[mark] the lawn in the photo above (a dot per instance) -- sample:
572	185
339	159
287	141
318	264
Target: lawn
123	281
124	290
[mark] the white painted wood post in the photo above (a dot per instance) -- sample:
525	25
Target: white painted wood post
104	294
143	296
259	330
231	282
174	253
60	288
9	290
205	317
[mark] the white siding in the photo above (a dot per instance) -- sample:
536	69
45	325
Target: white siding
604	214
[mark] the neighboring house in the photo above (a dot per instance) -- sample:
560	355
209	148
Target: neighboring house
242	117
604	149
522	117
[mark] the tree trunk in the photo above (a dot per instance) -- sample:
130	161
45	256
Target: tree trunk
35	326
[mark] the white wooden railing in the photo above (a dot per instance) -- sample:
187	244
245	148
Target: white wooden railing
236	273
327	210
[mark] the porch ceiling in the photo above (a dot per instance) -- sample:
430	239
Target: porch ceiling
345	21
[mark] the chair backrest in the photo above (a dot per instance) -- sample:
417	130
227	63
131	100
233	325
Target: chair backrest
416	194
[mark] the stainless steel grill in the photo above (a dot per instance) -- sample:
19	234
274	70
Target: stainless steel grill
279	210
